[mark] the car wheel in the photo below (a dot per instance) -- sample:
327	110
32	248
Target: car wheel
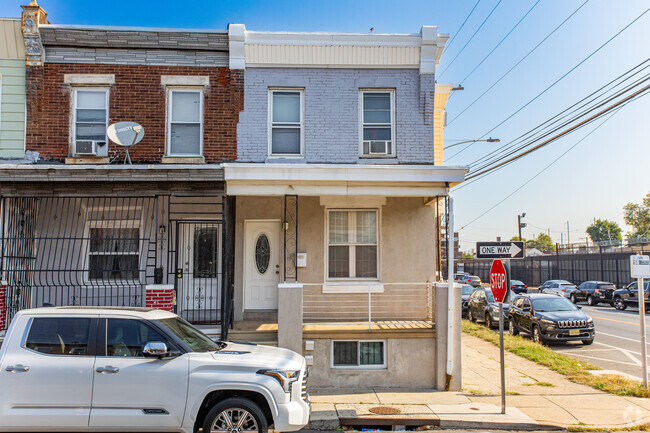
470	316
588	342
572	298
619	304
235	415
488	320
511	327
591	301
537	335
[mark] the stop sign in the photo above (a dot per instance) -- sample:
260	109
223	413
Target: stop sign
498	280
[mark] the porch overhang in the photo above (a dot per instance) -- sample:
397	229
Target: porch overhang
253	179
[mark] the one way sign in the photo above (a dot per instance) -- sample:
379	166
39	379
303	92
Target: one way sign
499	250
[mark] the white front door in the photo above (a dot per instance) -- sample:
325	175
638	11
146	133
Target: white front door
262	270
199	298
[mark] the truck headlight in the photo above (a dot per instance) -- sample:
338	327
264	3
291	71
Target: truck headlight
284	377
549	323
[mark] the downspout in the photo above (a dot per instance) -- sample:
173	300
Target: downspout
450	290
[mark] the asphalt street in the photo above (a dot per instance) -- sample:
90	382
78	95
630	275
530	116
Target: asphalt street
618	343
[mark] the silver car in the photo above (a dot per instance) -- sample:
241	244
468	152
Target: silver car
559	288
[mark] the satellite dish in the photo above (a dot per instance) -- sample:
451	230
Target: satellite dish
125	134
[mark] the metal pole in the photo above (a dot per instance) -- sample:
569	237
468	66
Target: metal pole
519	226
568	233
501	348
644	350
450	290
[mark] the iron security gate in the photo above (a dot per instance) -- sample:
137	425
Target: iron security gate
199	271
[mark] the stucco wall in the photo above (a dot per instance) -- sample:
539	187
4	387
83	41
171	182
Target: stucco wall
332	112
410	363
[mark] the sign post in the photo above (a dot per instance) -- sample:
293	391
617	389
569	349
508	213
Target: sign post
640	269
499	283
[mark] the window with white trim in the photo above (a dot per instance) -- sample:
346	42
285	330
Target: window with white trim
352	245
359	354
286	122
90	120
114	250
377	118
185	122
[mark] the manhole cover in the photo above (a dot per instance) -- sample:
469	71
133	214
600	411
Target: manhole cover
383	410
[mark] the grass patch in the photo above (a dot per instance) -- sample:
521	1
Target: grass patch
475	392
575	370
642	427
548	384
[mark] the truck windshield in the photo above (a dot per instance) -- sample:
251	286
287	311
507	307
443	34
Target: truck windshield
195	339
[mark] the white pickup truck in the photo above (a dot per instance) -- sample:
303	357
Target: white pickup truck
136	369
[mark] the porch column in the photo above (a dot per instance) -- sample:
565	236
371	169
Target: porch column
228	264
290	316
455	382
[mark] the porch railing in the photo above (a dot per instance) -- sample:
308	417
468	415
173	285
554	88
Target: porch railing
399	302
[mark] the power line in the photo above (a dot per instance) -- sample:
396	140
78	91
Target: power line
555	137
517	64
556	81
544	169
511	144
470	39
462	25
500	42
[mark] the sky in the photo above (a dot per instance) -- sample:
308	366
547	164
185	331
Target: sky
595	179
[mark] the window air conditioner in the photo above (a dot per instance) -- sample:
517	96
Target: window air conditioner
377	147
88	147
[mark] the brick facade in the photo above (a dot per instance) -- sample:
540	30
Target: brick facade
160	297
3	304
137	95
332	113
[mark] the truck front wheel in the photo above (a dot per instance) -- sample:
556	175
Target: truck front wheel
235	415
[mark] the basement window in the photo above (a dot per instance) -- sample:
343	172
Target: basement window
358	354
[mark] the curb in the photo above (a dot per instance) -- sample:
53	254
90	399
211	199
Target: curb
336	423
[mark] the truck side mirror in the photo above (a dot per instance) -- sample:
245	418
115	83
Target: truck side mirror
155	349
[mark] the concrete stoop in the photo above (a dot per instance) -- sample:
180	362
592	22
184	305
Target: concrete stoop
330	416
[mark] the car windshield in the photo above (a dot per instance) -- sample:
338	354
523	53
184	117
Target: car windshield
564	282
516	283
553	304
489	295
466	290
195	339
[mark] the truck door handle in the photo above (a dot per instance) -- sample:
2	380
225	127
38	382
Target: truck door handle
18	367
108	369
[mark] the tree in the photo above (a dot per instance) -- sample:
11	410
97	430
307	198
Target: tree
638	216
468	255
604	230
516	239
542	242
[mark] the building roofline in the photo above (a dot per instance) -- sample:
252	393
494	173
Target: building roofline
131	29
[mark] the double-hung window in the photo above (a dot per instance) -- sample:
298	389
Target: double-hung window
285	122
377	129
185	122
114	250
90	118
352	244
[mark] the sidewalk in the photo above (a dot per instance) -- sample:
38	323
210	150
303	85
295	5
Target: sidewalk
539	399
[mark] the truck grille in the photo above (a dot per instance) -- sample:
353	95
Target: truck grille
572	323
303	387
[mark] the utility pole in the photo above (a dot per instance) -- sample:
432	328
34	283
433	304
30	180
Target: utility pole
568	233
520	225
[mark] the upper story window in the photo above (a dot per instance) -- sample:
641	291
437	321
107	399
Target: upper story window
90	120
185	122
377	118
352	244
286	120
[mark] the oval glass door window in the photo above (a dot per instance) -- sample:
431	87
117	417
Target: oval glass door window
262	253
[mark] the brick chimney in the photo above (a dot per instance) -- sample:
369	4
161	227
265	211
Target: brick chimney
33	17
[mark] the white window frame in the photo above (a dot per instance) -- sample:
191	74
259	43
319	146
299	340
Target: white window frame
351	233
270	124
359	366
168	120
75	92
391	92
111	224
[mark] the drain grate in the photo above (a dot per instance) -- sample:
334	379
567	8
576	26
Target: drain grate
383	410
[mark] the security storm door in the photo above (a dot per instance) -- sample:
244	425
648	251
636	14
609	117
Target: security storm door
199	257
261	264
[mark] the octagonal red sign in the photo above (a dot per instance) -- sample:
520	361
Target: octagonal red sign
498	280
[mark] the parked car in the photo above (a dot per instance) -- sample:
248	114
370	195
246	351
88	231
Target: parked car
517	286
137	369
459	275
472	280
560	288
549	318
548	283
594	292
465	291
483	308
629	296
